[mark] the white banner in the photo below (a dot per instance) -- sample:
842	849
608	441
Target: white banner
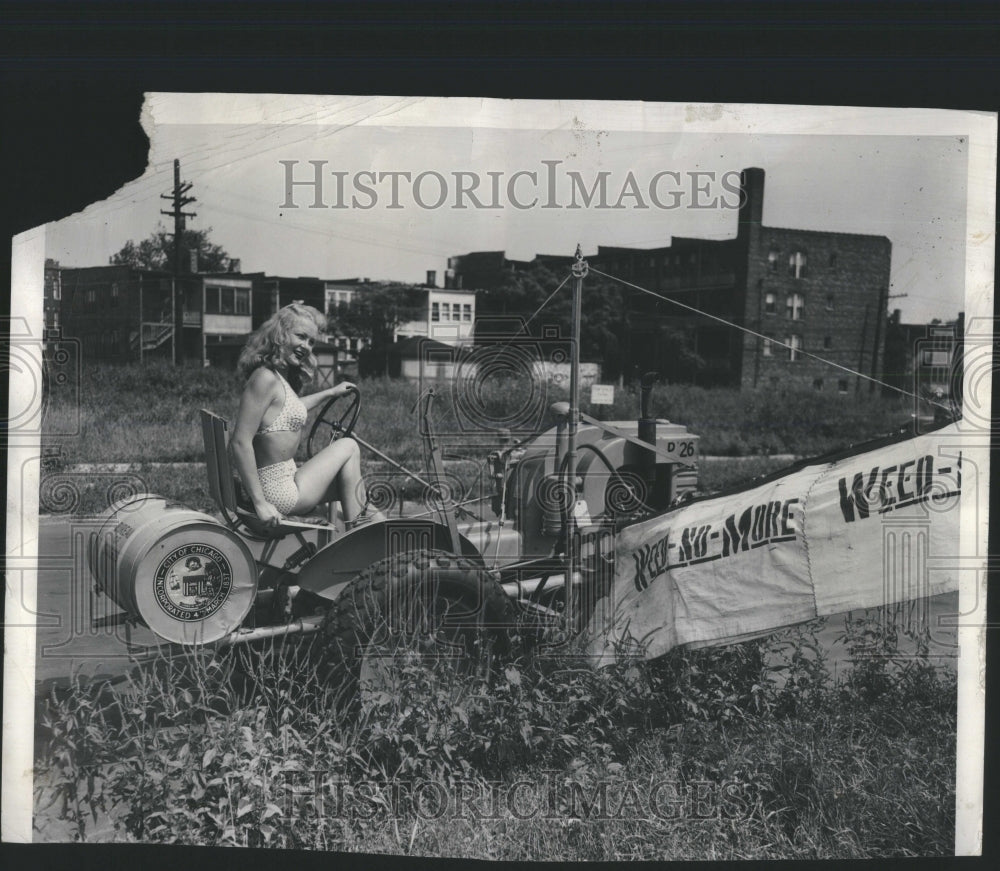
857	532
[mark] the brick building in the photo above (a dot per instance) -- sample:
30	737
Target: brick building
273	292
820	292
481	269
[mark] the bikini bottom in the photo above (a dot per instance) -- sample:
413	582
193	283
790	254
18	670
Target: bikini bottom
278	483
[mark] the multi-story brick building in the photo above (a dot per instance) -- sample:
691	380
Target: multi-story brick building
481	269
802	290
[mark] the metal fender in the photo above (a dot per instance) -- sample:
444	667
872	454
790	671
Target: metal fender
337	564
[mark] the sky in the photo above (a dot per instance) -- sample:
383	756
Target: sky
840	170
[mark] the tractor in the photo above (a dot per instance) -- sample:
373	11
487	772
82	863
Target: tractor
557	496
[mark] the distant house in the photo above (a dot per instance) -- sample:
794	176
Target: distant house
121	314
337	294
227	317
448	316
425	358
925	359
52	302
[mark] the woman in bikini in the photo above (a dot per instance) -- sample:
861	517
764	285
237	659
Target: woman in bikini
276	362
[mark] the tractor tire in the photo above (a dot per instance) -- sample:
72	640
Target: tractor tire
443	609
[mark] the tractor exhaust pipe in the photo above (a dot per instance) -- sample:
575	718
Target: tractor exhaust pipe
647	428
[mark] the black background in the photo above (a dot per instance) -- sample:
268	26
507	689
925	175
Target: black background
72	80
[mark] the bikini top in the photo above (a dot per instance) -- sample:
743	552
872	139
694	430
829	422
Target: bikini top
292	416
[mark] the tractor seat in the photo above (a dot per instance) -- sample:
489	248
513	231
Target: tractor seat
228	493
245	507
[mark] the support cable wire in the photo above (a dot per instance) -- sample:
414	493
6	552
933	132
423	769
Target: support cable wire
510	339
534	314
770	339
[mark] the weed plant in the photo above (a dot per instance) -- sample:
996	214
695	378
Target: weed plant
149	414
749	751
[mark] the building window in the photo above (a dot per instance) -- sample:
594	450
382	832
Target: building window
842	385
467	312
935	358
794	305
227	303
833	258
794	344
797	265
769	303
772	259
817	383
212	300
242	301
57	291
114	293
435	312
827	342
766	348
91	295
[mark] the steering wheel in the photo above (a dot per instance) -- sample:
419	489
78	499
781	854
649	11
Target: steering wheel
334	423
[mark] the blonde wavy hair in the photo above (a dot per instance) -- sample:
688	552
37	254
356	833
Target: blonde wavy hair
263	348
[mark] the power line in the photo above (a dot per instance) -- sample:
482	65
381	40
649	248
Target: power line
766	338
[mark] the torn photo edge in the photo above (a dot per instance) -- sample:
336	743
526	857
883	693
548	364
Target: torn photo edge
26	333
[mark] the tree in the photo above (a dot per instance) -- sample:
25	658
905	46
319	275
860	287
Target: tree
523	294
373	315
157	252
626	335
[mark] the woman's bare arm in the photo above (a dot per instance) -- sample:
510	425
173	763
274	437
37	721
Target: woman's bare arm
314	399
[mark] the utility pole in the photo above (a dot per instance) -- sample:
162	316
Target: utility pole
883	314
179	201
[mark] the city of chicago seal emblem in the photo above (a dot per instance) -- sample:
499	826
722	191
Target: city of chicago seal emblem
193	582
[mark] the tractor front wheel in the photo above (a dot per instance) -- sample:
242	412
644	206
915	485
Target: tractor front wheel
429	609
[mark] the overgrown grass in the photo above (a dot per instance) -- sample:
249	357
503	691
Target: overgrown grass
742	752
149	414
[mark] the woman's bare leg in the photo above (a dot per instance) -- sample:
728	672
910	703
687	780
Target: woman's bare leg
334	473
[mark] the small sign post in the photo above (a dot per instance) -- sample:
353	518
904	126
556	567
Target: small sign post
602	394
